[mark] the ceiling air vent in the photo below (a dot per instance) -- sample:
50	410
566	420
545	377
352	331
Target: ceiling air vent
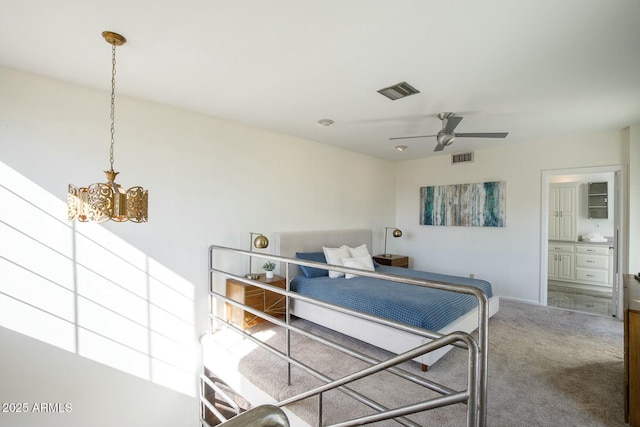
462	158
398	91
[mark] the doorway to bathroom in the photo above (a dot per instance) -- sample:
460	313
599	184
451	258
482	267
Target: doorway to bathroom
581	222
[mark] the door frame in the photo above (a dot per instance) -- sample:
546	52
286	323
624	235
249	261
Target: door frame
621	248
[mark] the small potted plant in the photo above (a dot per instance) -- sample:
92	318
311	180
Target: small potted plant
269	266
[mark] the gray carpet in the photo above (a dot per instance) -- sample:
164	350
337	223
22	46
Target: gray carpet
547	367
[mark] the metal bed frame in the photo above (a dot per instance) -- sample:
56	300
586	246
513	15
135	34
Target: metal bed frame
475	395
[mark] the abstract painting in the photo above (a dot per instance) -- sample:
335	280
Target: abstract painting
471	205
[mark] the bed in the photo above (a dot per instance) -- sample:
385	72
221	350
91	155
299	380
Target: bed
431	309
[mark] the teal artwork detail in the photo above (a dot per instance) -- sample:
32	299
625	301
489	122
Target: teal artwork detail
471	205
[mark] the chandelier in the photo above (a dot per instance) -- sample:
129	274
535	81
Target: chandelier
102	202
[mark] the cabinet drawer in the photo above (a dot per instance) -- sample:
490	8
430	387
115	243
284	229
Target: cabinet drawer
274	304
271	298
392	260
592	249
592	261
588	275
255	300
557	247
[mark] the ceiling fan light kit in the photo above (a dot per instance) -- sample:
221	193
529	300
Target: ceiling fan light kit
446	136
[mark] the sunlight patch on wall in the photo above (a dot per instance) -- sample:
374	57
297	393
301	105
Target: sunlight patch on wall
81	288
36	323
112	353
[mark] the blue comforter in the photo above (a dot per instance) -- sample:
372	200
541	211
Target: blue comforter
426	308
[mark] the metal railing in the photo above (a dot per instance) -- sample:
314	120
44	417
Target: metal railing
475	395
260	416
206	404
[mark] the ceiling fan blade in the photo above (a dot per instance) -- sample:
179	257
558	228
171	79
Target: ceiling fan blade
452	122
439	147
483	135
409	137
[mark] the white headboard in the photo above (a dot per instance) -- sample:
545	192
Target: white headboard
289	242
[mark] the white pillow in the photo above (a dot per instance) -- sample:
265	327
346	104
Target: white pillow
359	251
334	256
361	262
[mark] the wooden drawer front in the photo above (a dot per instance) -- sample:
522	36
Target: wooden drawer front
592	261
592	249
255	299
554	247
271	298
393	260
404	262
274	303
588	275
235	291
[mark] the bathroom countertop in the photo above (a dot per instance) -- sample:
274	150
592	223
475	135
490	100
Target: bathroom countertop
586	242
583	242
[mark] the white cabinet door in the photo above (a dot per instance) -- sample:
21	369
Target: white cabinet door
567	204
554	215
563	212
561	264
552	266
565	267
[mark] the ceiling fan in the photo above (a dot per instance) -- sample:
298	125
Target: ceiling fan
446	136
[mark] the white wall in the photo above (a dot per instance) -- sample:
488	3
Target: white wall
509	257
82	392
209	181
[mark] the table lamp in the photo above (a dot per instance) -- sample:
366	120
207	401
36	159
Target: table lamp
260	242
396	233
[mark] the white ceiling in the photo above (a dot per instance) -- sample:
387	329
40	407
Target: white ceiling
533	68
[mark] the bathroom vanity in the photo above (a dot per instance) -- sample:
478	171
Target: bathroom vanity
582	262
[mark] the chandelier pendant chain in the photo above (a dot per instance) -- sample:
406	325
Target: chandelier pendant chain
113	101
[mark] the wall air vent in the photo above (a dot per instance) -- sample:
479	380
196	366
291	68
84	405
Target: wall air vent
462	158
400	90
